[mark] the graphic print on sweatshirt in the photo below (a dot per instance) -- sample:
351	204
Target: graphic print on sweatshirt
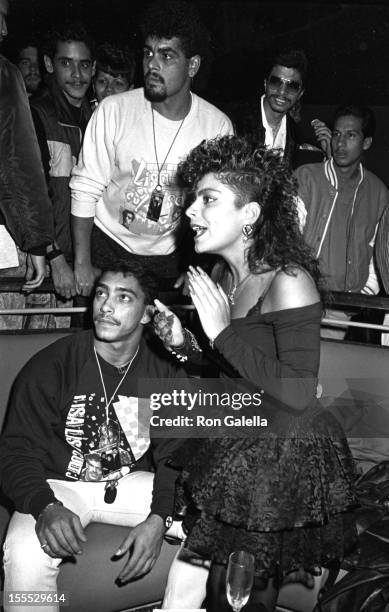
148	211
102	448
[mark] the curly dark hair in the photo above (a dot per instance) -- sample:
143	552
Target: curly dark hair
147	281
177	18
116	60
69	31
257	174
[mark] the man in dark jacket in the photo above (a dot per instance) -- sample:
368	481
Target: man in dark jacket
61	115
269	120
27	58
74	405
26	219
25	210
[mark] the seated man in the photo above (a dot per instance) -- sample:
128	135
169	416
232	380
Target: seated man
73	407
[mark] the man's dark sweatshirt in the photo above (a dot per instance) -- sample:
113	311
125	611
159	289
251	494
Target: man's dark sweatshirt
34	446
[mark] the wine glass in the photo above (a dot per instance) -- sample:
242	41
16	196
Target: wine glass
239	578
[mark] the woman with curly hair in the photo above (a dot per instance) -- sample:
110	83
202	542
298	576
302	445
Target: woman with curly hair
285	495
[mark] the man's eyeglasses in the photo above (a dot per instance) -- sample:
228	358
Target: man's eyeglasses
275	82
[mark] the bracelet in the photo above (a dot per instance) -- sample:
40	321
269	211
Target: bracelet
56	252
189	347
54	503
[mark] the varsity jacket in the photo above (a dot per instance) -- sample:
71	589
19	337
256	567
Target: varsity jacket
54	118
382	249
36	443
25	207
318	189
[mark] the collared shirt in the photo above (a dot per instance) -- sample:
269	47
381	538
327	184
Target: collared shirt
279	140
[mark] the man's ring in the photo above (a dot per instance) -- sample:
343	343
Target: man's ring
44	545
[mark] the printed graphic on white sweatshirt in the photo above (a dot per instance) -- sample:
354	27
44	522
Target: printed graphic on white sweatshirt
148	209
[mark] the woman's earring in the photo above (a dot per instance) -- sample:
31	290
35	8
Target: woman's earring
247	231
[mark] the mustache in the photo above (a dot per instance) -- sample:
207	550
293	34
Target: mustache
155	76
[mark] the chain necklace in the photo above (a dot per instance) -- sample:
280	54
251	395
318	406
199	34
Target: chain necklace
157	196
159	167
108	403
235	287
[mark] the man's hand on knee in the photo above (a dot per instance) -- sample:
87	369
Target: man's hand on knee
59	531
144	545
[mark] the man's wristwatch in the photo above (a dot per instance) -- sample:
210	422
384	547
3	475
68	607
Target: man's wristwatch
167	519
168	522
52	252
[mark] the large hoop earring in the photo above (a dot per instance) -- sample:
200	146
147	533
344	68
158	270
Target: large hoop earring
247	231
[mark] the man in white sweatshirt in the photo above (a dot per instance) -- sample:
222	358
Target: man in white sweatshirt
132	146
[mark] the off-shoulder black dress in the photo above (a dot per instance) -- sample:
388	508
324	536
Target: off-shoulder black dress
286	495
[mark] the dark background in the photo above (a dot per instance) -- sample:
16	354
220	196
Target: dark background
347	45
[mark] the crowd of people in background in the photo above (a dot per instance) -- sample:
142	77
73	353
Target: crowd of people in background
121	193
98	202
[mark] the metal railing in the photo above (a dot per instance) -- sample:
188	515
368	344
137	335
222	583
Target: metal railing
341	301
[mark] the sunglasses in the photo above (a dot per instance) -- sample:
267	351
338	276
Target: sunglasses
276	82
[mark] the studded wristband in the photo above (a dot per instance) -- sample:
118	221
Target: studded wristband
189	347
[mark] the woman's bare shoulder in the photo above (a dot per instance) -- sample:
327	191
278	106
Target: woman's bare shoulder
292	288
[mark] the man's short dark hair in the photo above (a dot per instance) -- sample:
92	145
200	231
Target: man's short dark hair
177	18
71	31
116	60
147	281
292	58
364	113
22	43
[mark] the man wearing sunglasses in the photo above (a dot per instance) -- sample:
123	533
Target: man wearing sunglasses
269	120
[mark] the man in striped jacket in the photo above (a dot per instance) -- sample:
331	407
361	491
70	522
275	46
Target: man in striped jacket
60	115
